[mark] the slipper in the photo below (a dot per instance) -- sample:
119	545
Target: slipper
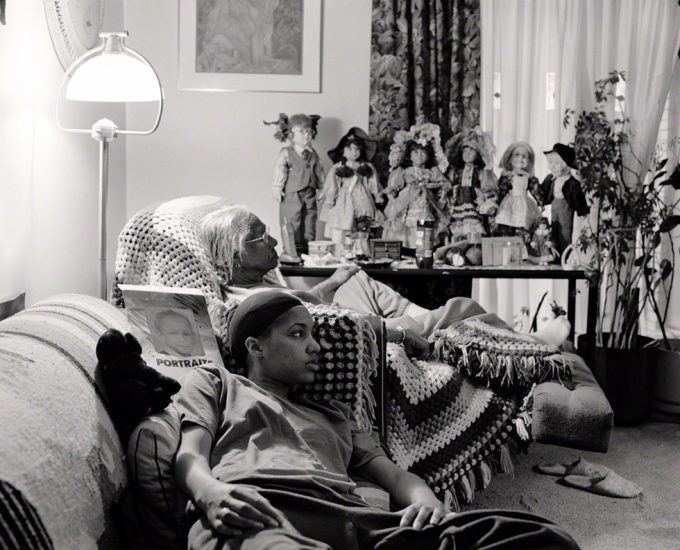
579	468
611	485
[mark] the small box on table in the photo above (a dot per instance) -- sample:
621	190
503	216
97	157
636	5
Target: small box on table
502	250
384	248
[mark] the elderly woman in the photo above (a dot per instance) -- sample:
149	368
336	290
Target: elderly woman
243	253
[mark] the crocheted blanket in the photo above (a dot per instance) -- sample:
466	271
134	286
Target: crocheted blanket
498	357
449	430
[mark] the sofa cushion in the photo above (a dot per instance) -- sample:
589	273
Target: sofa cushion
151	452
59	448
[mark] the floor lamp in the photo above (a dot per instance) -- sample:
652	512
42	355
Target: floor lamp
111	73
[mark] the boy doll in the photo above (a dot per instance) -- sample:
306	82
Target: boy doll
563	192
297	176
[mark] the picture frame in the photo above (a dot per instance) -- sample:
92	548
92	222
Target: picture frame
250	45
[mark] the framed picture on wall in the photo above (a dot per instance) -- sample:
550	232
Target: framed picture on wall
250	45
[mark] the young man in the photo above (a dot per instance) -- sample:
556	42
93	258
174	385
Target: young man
269	470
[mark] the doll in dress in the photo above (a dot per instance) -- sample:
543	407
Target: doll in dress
297	176
470	155
351	191
564	194
417	187
519	192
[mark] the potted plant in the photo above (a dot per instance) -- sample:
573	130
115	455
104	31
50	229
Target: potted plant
621	240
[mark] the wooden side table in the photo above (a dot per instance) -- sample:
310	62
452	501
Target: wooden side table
413	277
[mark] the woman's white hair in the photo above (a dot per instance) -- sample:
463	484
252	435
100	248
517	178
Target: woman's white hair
223	233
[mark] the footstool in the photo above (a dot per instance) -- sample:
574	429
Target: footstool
575	415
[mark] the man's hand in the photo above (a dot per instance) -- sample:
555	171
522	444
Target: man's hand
277	194
232	509
420	514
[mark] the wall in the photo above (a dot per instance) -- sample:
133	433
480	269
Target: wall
48	178
215	142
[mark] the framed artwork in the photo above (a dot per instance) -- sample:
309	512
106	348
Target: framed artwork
250	45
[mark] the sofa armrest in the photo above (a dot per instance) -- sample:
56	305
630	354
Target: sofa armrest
578	416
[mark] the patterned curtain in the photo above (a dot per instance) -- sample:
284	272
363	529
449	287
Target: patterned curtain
425	67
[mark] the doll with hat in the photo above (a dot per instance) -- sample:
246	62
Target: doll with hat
564	194
470	155
351	190
417	188
519	192
297	176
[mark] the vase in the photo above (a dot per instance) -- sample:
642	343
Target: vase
666	396
625	375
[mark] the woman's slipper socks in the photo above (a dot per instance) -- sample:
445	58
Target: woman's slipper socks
611	485
579	468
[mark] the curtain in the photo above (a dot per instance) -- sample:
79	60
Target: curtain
526	44
425	67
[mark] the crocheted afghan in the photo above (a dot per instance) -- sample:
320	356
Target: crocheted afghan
500	357
160	246
444	427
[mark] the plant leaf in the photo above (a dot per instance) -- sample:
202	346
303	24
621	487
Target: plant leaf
666	268
669	223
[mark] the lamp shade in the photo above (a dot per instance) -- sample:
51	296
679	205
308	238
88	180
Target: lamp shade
114	73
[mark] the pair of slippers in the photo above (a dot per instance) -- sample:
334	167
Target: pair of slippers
591	477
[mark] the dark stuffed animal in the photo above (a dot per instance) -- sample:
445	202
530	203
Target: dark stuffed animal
134	389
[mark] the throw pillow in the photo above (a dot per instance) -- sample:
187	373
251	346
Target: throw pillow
151	452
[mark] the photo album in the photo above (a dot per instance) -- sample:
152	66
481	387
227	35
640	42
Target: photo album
172	325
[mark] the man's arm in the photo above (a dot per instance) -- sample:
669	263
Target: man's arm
229	508
421	506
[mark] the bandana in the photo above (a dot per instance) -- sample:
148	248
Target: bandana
255	315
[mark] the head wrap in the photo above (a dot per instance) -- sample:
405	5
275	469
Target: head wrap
255	315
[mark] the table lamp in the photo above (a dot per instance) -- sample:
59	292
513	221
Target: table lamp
111	73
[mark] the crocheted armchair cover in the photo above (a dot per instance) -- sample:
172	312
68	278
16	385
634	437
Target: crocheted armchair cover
160	246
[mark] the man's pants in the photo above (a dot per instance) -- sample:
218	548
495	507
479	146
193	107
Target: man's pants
299	210
320	524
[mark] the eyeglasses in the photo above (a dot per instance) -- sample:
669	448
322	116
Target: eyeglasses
265	237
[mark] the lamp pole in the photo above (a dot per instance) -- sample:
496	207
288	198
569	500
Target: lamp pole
104	131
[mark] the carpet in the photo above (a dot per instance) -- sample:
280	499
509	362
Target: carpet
648	454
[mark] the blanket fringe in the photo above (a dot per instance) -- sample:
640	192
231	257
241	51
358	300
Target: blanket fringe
498	356
507	466
451	503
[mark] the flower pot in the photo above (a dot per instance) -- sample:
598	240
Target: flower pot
666	396
625	375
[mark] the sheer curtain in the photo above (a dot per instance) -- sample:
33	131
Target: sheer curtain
528	44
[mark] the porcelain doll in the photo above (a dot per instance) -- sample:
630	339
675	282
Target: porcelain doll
470	154
541	245
564	194
417	187
519	192
297	176
351	190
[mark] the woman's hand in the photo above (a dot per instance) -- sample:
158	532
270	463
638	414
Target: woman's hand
414	344
342	275
420	514
232	509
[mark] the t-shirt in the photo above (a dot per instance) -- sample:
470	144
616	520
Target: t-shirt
263	440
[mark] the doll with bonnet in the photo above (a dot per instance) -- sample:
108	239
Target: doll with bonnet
351	190
470	155
564	194
519	192
416	187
